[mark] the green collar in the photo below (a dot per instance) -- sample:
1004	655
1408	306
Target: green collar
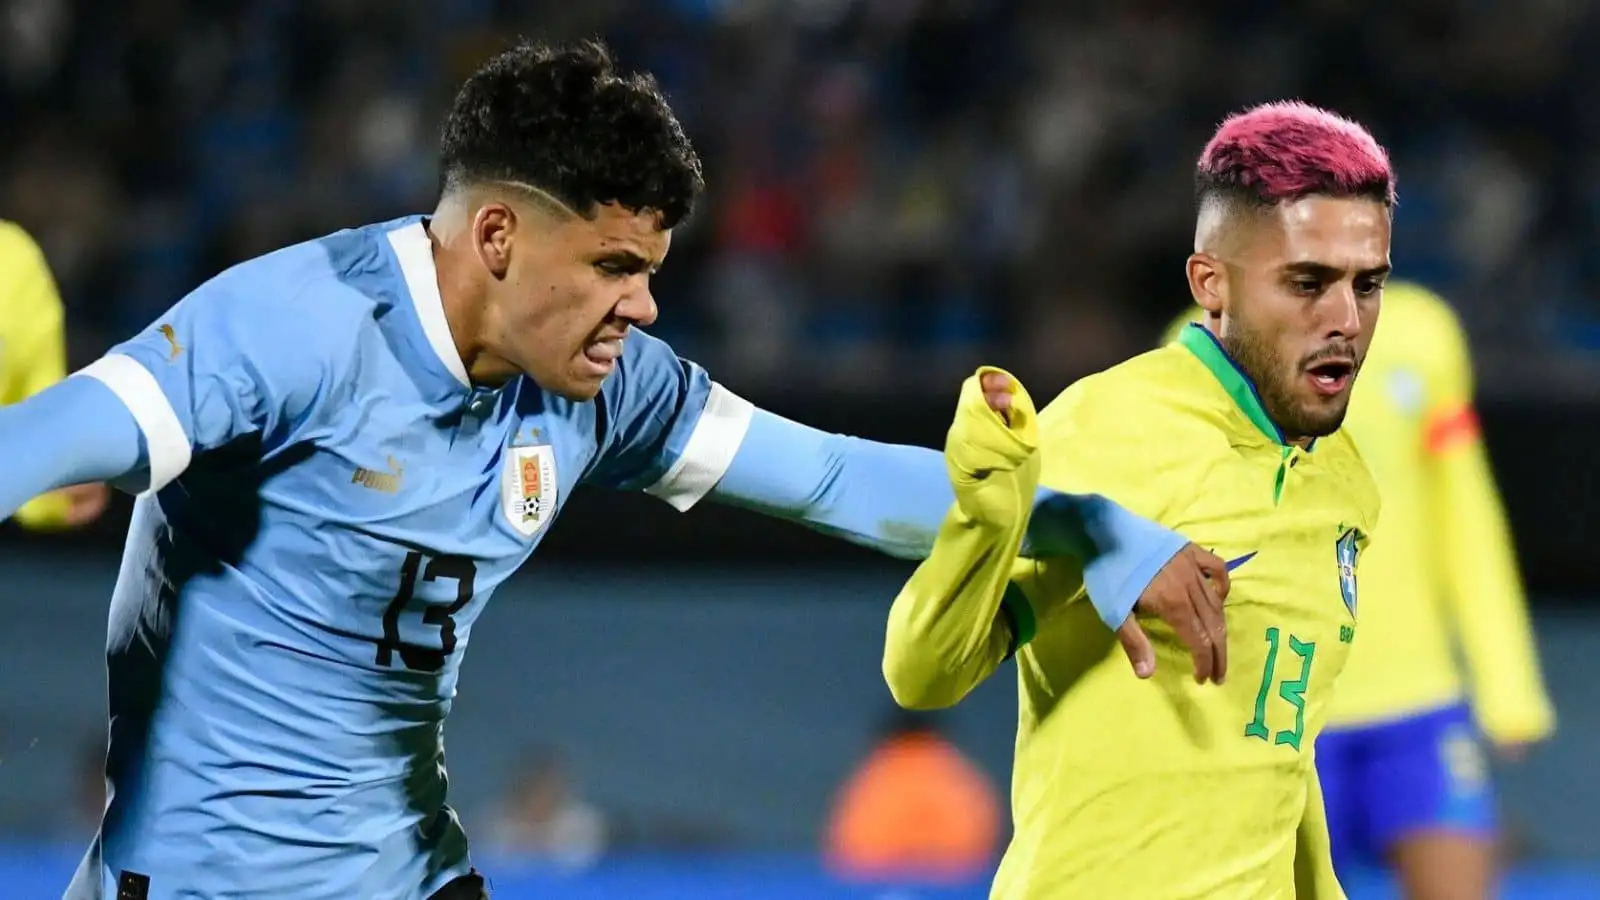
1204	345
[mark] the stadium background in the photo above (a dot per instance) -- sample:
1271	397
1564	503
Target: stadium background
899	189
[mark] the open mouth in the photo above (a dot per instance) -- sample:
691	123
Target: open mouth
1331	376
603	355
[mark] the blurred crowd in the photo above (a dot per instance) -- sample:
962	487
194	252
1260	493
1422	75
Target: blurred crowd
896	186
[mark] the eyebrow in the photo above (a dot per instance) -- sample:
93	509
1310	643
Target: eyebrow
627	258
1328	273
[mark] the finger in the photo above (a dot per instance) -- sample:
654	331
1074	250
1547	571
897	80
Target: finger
1001	404
1137	645
995	383
1212	566
1191	629
997	389
1209	611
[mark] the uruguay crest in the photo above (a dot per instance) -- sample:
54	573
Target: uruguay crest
1346	550
528	487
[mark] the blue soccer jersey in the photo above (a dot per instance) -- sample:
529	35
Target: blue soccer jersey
334	504
326	505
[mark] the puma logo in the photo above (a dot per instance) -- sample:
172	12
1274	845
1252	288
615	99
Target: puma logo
383	482
172	340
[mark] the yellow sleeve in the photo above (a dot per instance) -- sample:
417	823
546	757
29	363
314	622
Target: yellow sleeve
1476	556
947	632
34	355
1314	878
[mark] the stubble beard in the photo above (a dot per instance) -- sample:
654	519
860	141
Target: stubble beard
1274	380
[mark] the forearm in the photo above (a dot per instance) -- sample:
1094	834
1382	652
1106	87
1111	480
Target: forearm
893	498
953	624
884	496
75	432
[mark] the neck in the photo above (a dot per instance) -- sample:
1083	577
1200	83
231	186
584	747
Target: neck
1213	323
461	288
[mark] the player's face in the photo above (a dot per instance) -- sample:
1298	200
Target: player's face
573	289
1299	303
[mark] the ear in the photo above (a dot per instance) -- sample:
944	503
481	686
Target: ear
1208	282
494	226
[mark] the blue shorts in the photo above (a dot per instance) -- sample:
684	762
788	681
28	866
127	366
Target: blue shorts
1383	782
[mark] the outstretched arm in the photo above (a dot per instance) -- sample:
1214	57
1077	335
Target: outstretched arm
884	496
894	498
75	432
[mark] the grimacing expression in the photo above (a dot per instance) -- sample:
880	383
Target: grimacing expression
573	288
1300	301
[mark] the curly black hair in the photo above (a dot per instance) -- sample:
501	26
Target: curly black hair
562	119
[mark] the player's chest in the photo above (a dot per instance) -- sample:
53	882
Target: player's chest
485	477
1291	535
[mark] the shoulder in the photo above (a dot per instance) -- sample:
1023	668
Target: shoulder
1150	398
339	276
1134	434
648	371
313	298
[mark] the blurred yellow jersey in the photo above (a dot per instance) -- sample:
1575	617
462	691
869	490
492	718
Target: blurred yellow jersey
32	343
1167	789
1441	578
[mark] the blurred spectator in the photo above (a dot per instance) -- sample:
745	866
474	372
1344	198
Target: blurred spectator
916	806
544	819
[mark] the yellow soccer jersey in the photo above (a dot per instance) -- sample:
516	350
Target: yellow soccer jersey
32	345
1165	789
1442	574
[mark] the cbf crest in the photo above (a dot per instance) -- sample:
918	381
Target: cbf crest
528	487
1346	550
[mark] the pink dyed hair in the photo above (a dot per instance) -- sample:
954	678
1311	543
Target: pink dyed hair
1284	151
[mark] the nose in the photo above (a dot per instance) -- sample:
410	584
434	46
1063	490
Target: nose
1341	315
638	307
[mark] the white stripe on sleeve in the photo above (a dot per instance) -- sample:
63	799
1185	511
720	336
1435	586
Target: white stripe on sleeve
710	450
164	437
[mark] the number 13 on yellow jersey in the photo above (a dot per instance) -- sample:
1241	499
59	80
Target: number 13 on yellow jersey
1290	690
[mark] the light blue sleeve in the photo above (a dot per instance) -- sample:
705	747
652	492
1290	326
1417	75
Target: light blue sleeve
888	497
75	432
241	355
1121	552
892	498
